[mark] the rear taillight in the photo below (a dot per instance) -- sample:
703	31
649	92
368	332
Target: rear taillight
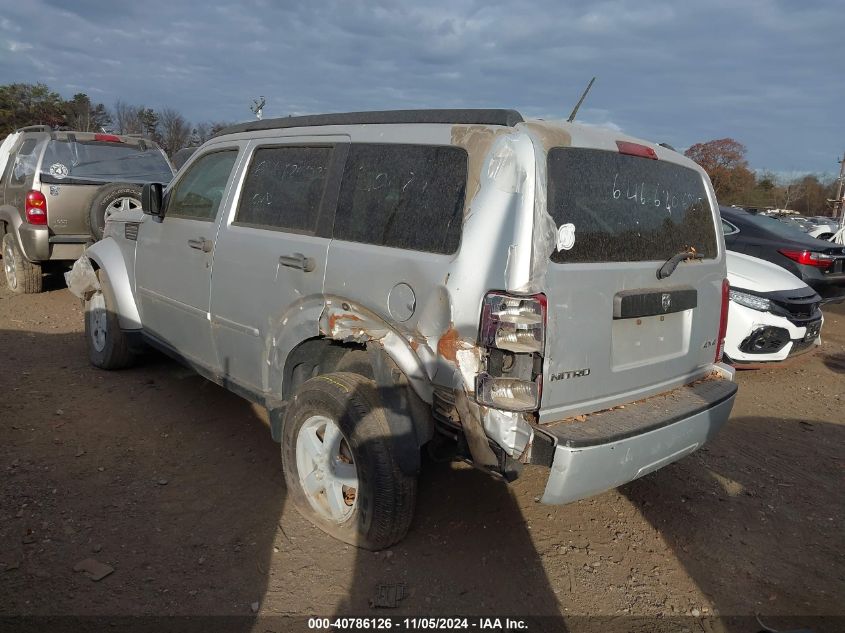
513	329
723	320
809	258
635	149
36	208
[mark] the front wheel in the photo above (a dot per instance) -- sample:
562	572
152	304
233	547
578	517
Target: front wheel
339	463
108	345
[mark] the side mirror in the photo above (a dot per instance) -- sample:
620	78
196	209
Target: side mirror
151	199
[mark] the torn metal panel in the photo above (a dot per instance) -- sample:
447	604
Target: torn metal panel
477	441
508	429
347	322
544	236
476	140
81	279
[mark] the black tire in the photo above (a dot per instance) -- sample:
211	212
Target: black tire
22	275
384	501
108	347
109	195
356	362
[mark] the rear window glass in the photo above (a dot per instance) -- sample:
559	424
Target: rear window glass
404	196
772	225
24	164
627	208
99	161
283	188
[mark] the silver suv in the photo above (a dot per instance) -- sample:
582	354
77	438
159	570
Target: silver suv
511	292
58	187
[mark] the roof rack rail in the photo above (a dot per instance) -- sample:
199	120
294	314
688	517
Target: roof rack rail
507	118
35	128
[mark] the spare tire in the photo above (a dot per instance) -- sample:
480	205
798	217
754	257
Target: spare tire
118	196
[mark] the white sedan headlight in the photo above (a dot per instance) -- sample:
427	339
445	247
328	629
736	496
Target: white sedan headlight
750	301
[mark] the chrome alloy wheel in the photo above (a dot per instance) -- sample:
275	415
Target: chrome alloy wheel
327	472
124	203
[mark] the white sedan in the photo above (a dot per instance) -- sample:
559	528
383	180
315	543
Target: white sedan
772	314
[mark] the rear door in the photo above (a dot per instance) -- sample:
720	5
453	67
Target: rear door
272	251
74	168
174	257
615	331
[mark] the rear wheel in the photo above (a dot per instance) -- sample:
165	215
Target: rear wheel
108	346
22	275
109	200
339	464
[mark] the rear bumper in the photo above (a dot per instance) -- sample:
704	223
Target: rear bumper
621	445
39	246
816	278
35	242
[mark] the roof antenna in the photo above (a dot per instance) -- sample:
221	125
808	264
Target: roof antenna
580	101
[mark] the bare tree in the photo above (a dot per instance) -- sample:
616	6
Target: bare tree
173	130
127	118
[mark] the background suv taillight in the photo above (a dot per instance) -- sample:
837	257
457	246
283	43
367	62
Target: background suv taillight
723	321
513	331
36	208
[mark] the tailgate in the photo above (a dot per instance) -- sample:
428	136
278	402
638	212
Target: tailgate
616	333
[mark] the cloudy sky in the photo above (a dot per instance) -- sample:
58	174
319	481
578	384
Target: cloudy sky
768	73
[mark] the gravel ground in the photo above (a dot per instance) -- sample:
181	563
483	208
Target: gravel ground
175	484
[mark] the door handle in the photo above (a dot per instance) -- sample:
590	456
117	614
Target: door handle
201	244
298	260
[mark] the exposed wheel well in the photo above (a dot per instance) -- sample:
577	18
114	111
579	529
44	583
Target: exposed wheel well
322	356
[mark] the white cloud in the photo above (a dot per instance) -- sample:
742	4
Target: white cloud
679	72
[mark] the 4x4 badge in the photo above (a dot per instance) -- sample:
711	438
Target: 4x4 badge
666	301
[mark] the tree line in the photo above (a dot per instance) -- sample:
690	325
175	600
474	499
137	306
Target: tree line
35	104
723	159
736	183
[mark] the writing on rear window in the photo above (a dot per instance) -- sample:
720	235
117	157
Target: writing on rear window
658	195
627	208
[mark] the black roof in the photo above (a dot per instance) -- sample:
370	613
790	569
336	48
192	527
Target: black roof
507	118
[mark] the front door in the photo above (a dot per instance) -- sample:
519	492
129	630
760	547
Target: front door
175	256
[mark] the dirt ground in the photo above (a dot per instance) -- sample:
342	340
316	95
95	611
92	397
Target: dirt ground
176	484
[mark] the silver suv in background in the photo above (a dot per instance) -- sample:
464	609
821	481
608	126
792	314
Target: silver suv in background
515	292
57	190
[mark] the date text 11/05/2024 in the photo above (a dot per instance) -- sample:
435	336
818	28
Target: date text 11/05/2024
417	624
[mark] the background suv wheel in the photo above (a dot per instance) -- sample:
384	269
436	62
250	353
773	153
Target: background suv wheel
22	275
111	199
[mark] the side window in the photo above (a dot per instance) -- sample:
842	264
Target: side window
283	188
24	164
199	192
729	229
404	196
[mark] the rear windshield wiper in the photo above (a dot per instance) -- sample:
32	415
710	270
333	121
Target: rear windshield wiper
672	263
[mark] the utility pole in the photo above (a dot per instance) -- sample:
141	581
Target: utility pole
839	203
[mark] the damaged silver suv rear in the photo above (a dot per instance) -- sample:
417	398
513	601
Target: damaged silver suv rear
498	290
